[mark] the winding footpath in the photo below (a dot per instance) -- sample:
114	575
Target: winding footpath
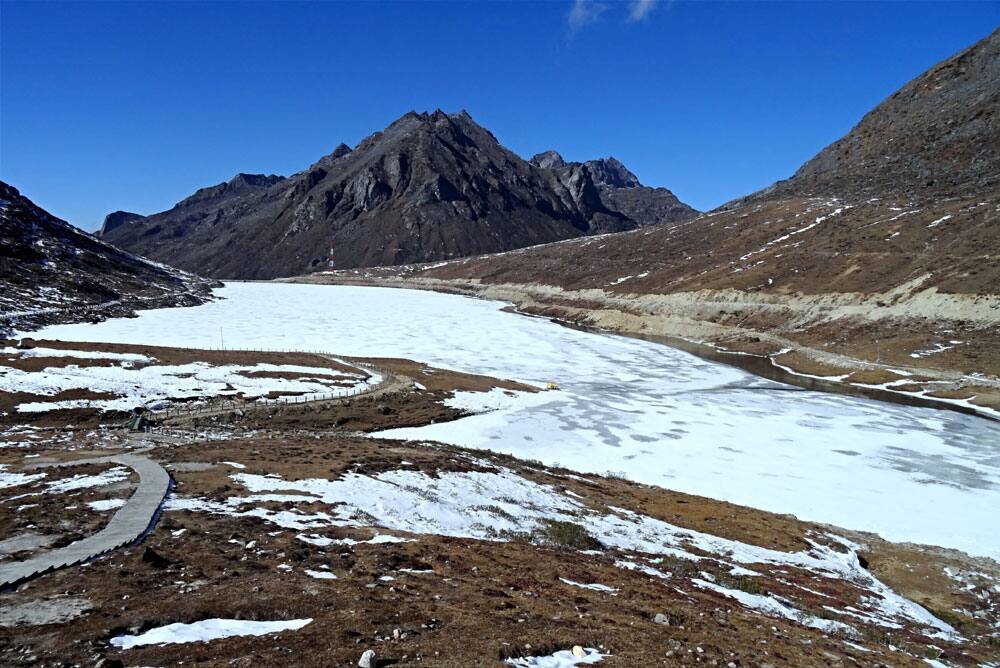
128	524
140	512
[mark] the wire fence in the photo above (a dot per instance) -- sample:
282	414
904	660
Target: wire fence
234	404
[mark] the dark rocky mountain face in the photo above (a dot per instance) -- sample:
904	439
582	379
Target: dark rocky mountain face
429	187
619	189
52	272
117	219
610	172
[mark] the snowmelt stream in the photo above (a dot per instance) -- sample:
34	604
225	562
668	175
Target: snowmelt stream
657	415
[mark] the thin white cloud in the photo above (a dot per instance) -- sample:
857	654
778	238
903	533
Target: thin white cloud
584	12
640	9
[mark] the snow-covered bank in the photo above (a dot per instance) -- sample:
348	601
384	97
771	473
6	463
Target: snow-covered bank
497	503
655	414
138	386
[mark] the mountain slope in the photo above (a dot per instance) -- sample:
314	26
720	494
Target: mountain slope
53	272
884	248
429	187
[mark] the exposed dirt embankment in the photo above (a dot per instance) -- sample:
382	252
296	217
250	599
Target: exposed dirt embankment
909	341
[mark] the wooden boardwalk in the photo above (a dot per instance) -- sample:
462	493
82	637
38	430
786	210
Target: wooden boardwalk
128	524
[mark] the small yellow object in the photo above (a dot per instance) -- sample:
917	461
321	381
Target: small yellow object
551	386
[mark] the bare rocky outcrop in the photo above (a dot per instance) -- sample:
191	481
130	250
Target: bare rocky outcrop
116	219
616	188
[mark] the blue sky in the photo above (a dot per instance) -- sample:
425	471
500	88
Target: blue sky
134	106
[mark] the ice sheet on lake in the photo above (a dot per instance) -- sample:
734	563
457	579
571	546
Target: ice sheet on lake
656	414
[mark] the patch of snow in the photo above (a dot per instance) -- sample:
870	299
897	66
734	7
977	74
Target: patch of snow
480	402
819	220
106	504
156	383
560	659
592	586
204	631
937	348
489	505
80	481
642	568
78	354
15	479
321	575
772	607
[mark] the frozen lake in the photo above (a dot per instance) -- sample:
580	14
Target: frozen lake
658	415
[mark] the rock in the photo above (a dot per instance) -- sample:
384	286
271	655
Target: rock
105	662
117	219
153	559
367	659
661	618
579	652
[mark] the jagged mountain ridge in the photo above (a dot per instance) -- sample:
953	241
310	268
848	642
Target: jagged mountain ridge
429	187
54	272
619	189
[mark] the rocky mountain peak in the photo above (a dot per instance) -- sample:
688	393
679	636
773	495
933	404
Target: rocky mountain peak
609	171
327	160
548	160
240	183
116	219
253	180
